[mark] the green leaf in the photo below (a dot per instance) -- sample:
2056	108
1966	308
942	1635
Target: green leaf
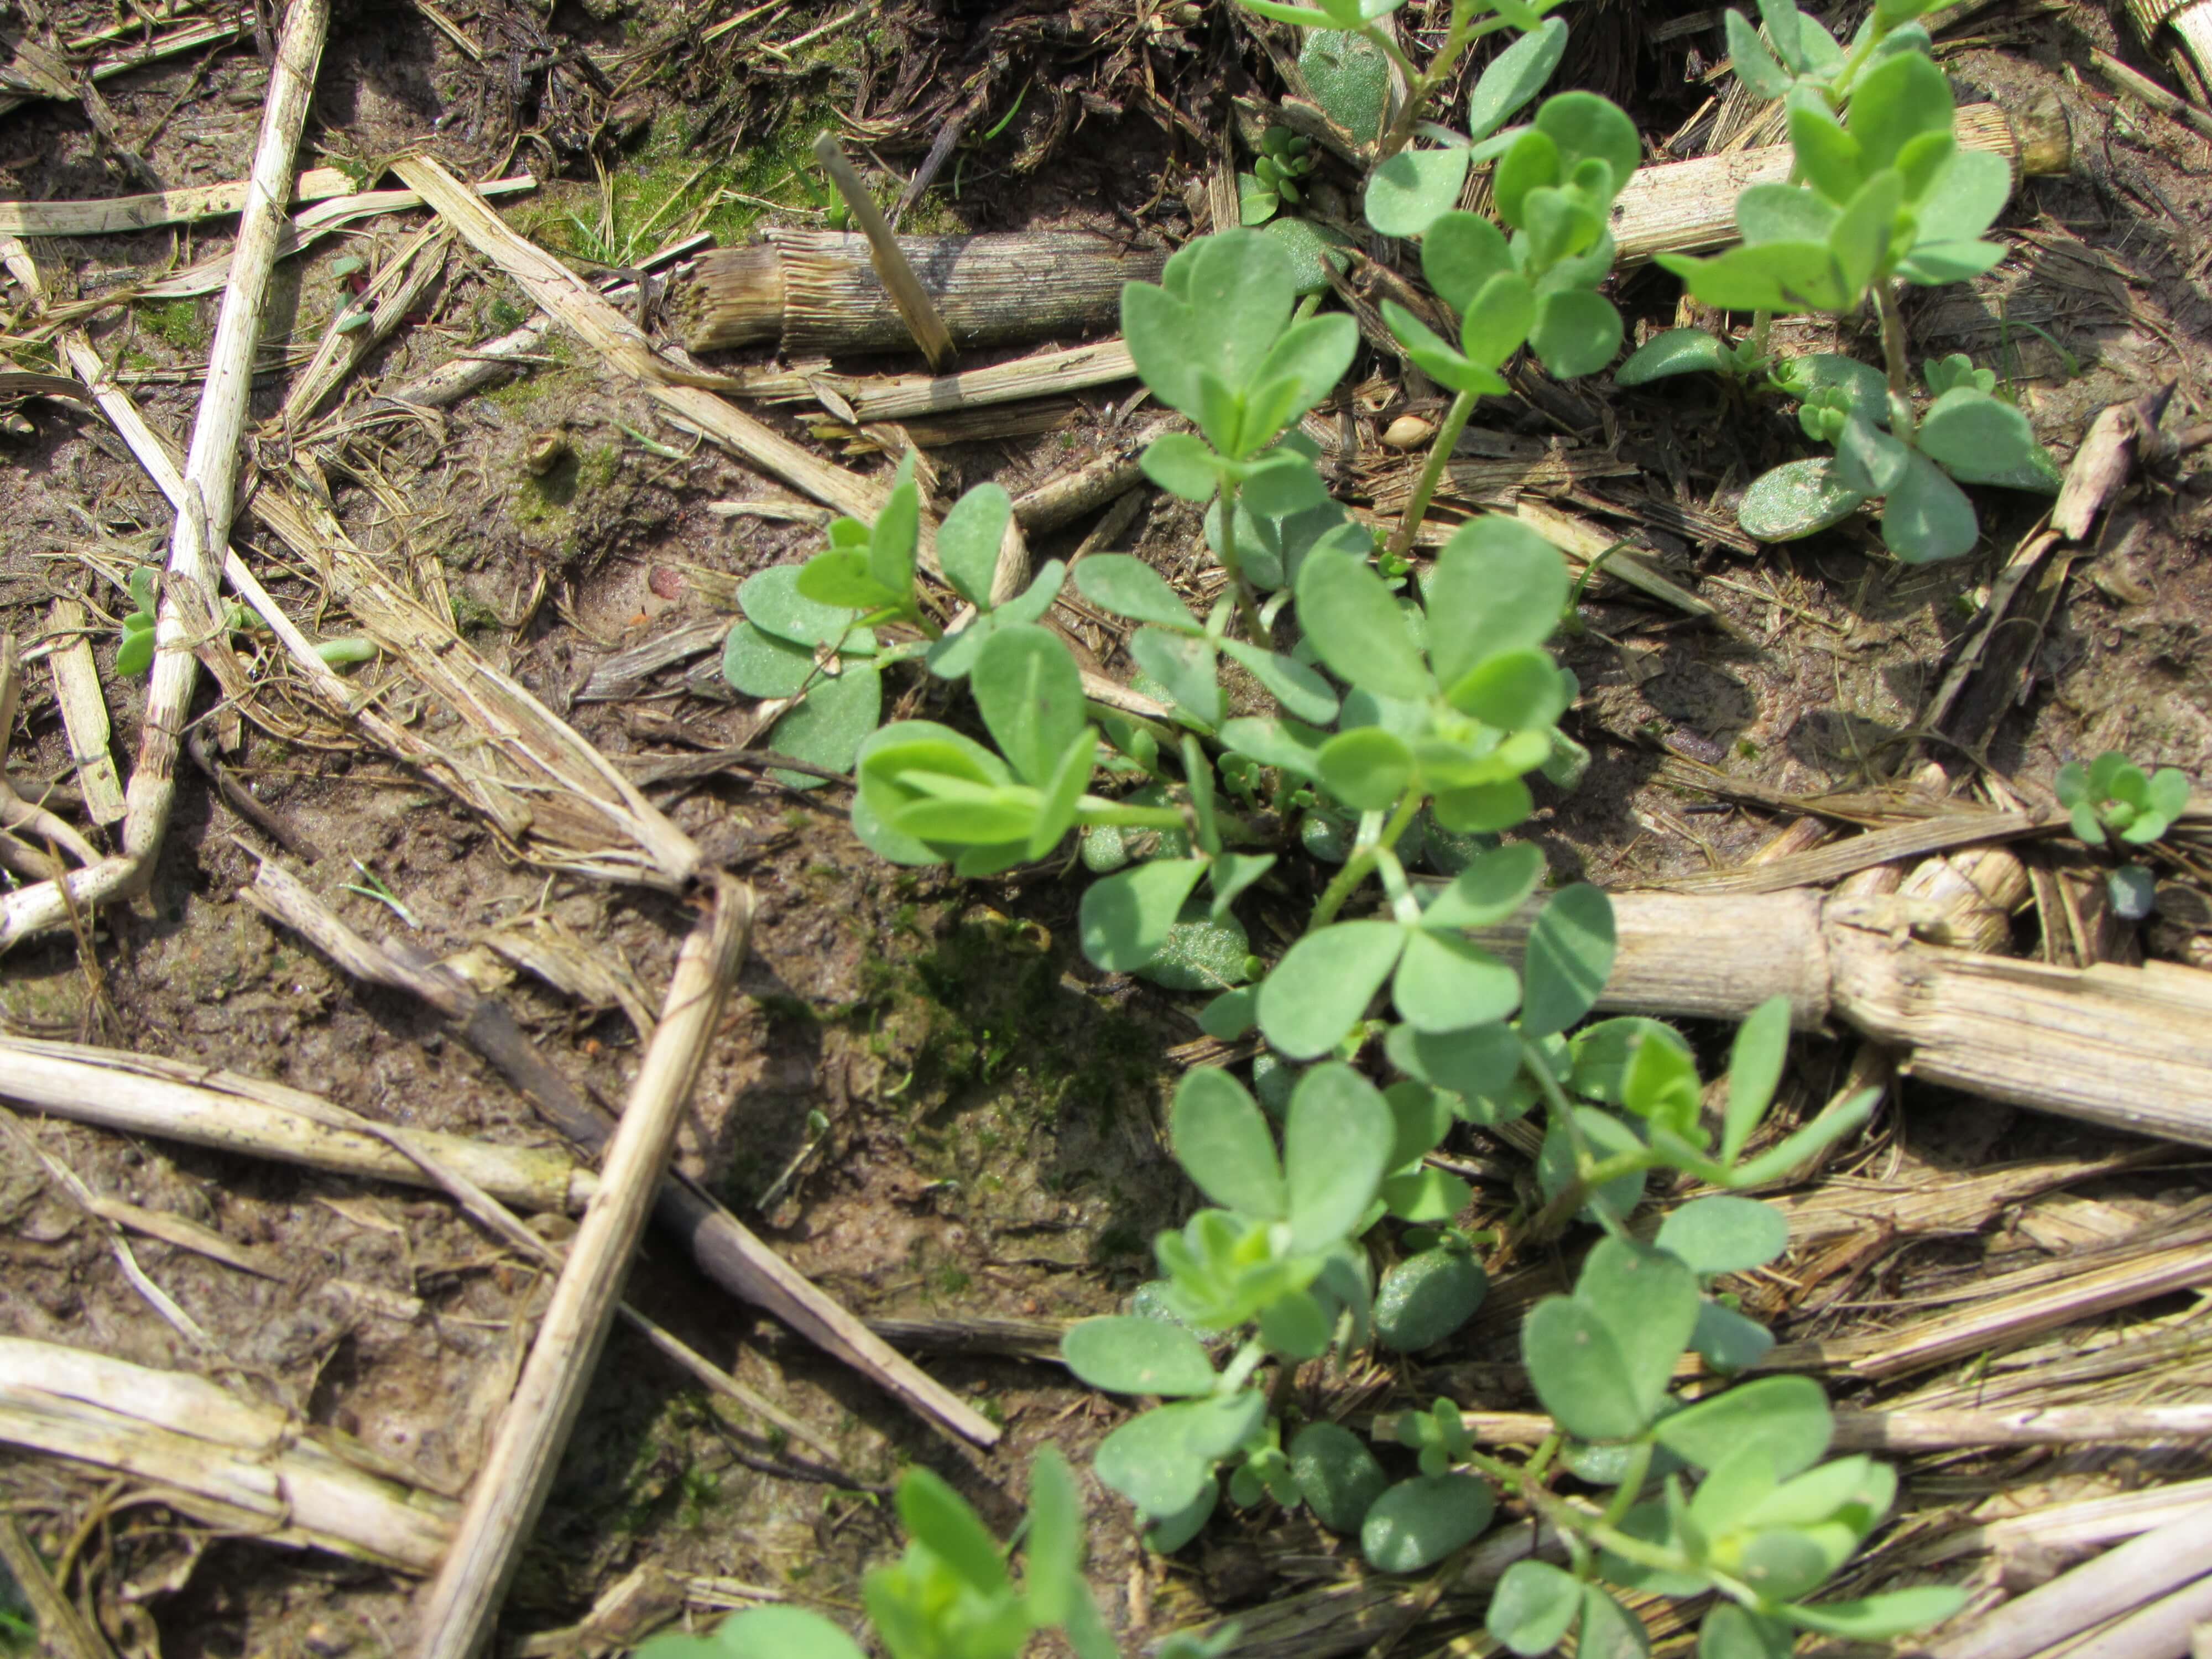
846	580
1927	516
1288	744
1282	483
1576	1367
1426	1297
1337	1475
1355	627
1303	17
1314	251
1222	1140
1127	587
1474	1064
1336	1144
1977	440
1461	254
1723	1234
897	533
968	540
1784	1419
1677	351
1569	954
1483	808
1301	692
1769	276
1498	320
1349	78
1446	983
1125	917
1754	64
1125	1355
1029	693
1576	333
1733	1632
1582	125
1877	1618
1609	1630
828	726
1184	664
759	1633
1533	164
1862	237
1828	158
1515	691
1860	385
136	654
1367	768
1830	1126
1426	1195
772	603
1319	989
1232	872
1533	1608
1166	1534
1052	1559
1411	191
1892	103
1783	213
940	1519
1062	793
1419	1522
1964	199
1490	890
1163	1460
1514	76
1932	264
1762	1044
1497	586
1313	357
1428	352
1795	500
1727	1341
1180	464
1867	460
1649	1301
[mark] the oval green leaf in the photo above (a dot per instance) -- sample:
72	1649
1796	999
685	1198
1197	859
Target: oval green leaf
1426	1297
1336	1474
1319	989
1124	1354
1419	1522
1222	1140
1569	954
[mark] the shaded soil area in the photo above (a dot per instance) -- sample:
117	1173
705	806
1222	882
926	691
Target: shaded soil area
924	1098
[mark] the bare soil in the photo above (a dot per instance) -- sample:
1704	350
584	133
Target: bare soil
992	1149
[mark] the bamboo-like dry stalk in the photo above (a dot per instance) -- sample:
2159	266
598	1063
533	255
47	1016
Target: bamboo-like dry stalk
231	1462
84	712
725	1249
2120	1047
817	291
145	1094
1042	374
2147	1568
2072	1527
118	213
1917	1430
188	609
1687	207
462	1602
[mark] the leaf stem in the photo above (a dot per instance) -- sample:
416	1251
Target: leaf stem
1893	347
1248	603
1631	1485
1357	867
1418	88
1424	487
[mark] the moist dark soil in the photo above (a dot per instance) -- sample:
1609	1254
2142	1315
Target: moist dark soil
923	1097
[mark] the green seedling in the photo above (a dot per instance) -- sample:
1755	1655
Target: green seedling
135	656
1285	159
2113	797
951	1595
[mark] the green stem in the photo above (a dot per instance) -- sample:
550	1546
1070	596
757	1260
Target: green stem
1362	861
1403	904
1556	1214
1248	602
1424	487
1894	350
1631	1485
1240	1369
1420	88
1761	322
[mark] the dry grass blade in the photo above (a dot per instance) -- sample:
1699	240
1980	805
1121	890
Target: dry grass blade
1912	1431
68	1631
231	1463
34	72
1965	826
462	1602
143	1094
916	308
303	231
2148	1567
118	213
84	711
1042	374
396	291
188	609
